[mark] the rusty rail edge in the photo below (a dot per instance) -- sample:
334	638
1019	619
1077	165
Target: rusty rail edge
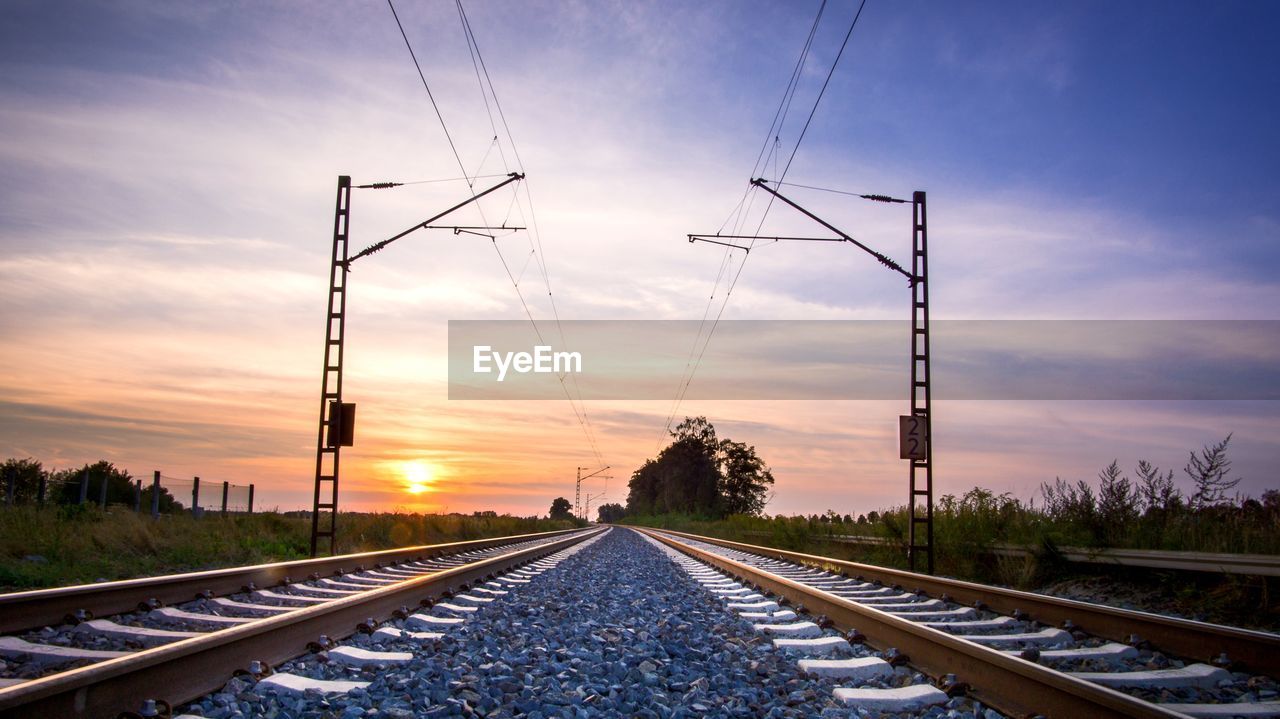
1012	685
32	609
1251	650
1260	565
187	669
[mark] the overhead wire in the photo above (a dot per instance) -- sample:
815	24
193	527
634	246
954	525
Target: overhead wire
449	179
535	244
427	87
863	195
478	61
782	112
738	215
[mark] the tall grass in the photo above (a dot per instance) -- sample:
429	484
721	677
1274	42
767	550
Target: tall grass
76	544
970	529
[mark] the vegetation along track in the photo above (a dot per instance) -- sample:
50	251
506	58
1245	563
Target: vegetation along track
203	627
1023	653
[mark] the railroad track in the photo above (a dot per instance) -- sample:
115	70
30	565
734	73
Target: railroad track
170	639
638	623
1023	653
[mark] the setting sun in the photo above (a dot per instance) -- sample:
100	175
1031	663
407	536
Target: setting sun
417	476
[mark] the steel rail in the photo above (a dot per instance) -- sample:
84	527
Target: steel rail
1255	651
1218	562
20	611
187	669
1010	684
1263	565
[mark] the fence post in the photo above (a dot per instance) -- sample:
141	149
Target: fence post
250	498
155	495
226	486
137	495
195	497
40	489
84	486
102	493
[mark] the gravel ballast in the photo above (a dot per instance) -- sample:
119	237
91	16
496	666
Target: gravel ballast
616	629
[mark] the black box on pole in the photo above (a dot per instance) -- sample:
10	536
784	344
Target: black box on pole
342	424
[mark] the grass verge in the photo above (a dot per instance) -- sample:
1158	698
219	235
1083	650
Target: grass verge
78	544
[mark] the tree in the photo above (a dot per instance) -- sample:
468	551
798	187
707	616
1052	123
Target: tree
1208	472
696	428
561	509
611	513
642	494
26	474
120	488
745	480
699	473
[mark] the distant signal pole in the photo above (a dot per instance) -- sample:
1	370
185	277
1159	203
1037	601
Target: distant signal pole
577	491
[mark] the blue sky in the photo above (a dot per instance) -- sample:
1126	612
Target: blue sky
166	181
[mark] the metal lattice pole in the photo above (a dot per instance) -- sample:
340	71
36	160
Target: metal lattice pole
328	452
921	470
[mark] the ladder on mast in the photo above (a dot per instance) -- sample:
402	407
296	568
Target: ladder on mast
921	469
328	449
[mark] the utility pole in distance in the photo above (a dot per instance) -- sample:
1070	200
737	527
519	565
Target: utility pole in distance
577	491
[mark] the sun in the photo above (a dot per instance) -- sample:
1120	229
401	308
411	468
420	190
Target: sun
417	476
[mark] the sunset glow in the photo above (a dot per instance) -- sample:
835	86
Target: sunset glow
418	476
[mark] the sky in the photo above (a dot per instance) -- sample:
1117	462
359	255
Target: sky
167	178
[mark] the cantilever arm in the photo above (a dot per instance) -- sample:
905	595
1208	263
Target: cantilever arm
513	177
760	182
707	238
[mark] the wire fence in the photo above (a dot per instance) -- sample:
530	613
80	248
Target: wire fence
202	495
157	494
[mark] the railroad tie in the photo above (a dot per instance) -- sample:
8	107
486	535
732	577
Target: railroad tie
1201	676
767	605
1110	650
781	615
426	621
389	633
180	616
858	669
294	684
16	648
268	594
142	635
901	699
1046	636
817	647
247	606
357	657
